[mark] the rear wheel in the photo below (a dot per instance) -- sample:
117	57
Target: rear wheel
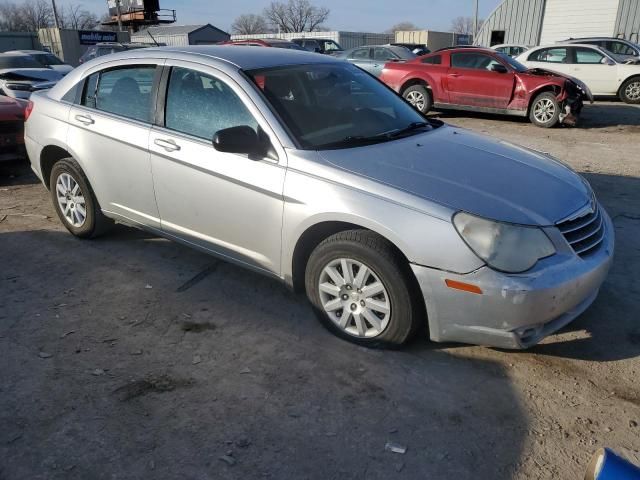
74	201
360	289
545	110
630	91
419	97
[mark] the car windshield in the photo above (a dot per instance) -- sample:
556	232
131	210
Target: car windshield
403	52
516	65
47	59
335	105
18	61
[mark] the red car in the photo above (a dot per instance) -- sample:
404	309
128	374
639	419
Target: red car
485	80
12	128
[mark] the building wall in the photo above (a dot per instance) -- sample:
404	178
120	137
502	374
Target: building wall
204	36
519	19
207	36
19	41
628	20
346	40
578	18
66	43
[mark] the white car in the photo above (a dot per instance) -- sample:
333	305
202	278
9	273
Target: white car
47	60
511	49
602	71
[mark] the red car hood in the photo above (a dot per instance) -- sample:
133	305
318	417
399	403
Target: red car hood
11	109
550	73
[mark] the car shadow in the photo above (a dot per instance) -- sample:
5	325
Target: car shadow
594	116
266	371
16	172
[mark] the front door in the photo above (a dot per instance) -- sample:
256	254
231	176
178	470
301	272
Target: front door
362	58
587	65
472	81
227	203
109	133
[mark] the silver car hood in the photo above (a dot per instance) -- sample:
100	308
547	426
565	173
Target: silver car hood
474	173
30	74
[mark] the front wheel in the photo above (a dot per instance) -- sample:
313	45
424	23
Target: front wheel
419	97
361	291
630	91
545	110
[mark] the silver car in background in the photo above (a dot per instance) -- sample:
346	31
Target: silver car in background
309	170
372	58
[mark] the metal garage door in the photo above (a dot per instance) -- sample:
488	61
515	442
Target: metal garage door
578	18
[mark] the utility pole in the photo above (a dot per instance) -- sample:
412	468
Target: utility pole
55	14
475	22
118	12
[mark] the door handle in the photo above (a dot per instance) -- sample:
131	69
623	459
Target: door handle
168	145
454	75
85	119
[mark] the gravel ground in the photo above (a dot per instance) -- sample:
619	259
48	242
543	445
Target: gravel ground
133	357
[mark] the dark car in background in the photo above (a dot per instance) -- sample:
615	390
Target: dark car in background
21	75
417	48
46	59
264	42
12	128
484	80
319	45
373	58
623	49
106	48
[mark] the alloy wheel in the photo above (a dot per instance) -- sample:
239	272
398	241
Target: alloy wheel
71	200
354	298
416	99
544	110
632	92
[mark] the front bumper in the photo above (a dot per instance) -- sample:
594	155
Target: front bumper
515	311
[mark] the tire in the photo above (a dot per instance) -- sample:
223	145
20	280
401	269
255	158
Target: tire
387	278
630	91
545	110
70	188
419	97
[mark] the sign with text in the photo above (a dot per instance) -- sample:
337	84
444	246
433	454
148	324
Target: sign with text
91	37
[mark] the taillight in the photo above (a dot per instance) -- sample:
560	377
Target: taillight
28	110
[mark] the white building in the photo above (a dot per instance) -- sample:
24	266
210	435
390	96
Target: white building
539	22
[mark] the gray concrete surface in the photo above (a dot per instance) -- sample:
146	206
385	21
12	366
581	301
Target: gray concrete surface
115	365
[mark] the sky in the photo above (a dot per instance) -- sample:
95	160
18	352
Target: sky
350	15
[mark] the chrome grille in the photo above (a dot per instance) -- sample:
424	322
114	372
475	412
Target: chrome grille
584	233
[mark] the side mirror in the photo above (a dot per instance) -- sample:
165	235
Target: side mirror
499	68
244	140
607	61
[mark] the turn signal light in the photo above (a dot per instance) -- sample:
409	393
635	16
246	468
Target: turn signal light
465	287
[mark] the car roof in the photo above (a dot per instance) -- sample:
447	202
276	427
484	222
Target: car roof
243	57
465	47
29	52
595	38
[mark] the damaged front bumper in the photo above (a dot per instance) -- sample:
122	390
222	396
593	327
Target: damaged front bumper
515	311
572	101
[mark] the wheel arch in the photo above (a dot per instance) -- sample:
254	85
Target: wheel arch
549	87
314	234
410	82
48	158
634	76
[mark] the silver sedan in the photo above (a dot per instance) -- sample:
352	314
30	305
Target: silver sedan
309	170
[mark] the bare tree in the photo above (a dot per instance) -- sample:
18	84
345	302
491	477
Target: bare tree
403	26
77	18
464	25
36	14
249	24
296	16
11	18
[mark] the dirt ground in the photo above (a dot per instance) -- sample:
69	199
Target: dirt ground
131	357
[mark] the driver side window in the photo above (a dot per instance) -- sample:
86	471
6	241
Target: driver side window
200	105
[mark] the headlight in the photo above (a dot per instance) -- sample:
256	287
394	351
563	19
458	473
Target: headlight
505	247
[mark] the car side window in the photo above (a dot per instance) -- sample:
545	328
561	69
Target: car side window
200	105
122	91
381	54
550	55
620	48
435	60
476	61
360	54
588	56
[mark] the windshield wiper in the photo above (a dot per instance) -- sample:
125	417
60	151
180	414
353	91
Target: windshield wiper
410	128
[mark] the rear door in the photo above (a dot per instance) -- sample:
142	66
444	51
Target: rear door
109	134
553	58
227	203
472	82
381	56
362	58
